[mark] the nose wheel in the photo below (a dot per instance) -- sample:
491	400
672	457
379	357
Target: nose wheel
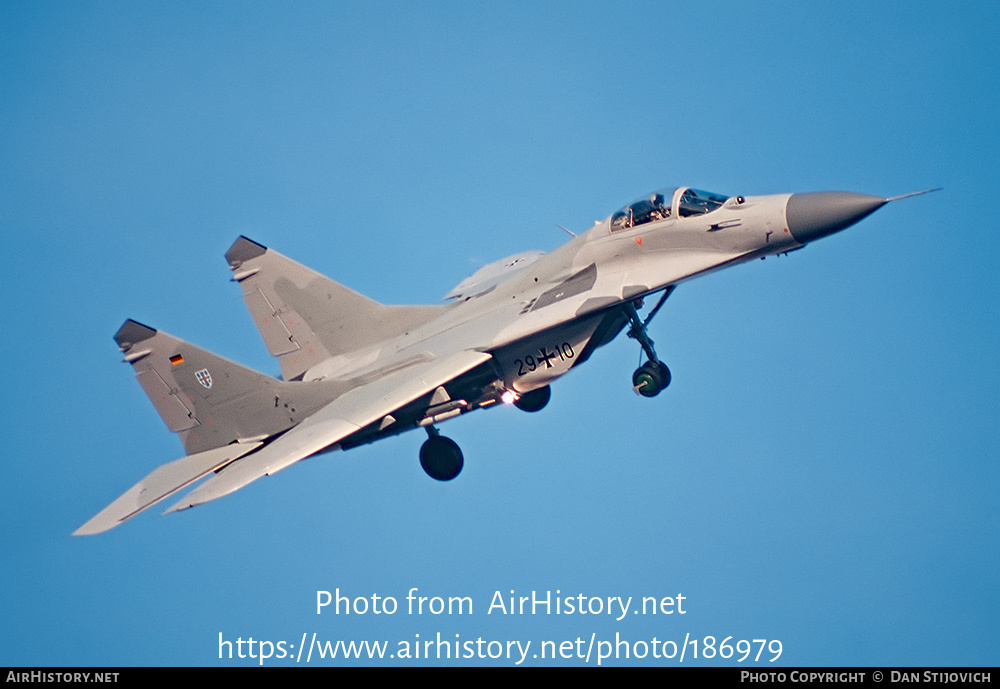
650	379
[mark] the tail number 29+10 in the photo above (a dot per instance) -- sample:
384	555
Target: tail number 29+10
544	358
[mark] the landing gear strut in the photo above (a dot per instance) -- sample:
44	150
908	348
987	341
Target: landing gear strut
650	379
441	457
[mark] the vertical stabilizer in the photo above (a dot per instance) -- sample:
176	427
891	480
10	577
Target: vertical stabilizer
305	317
210	401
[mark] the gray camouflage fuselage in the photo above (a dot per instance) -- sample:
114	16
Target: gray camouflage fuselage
355	370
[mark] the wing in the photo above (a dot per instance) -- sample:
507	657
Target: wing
337	420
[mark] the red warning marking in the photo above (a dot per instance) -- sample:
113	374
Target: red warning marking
785	230
208	422
638	240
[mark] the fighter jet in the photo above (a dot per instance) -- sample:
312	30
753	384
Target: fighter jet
354	371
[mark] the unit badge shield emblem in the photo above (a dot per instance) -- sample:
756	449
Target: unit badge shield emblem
204	377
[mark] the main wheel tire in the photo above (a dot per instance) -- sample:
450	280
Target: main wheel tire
534	400
441	458
650	379
665	376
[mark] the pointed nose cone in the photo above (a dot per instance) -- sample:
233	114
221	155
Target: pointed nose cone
820	213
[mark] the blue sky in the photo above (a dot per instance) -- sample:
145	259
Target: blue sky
822	471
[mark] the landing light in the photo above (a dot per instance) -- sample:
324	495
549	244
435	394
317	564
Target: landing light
508	397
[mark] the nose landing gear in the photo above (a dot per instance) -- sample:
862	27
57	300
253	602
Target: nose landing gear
650	379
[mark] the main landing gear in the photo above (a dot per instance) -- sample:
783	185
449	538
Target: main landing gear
534	400
652	378
441	457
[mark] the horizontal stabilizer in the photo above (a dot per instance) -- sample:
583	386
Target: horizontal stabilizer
162	483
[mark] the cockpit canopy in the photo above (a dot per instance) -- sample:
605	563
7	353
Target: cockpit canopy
695	202
660	206
650	208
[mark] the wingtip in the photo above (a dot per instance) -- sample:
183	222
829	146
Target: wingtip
99	523
178	506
